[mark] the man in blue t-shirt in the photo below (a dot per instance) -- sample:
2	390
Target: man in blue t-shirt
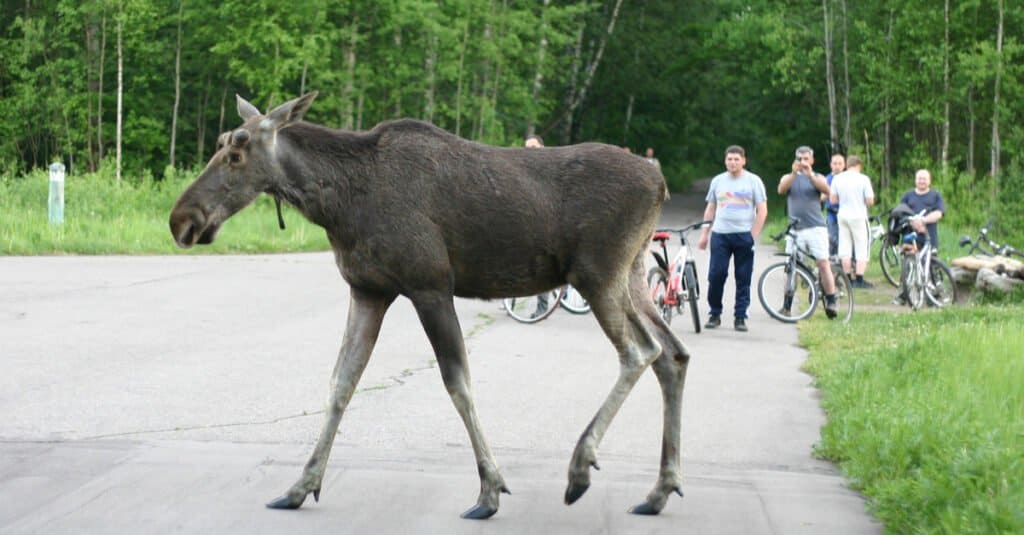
922	197
838	165
738	206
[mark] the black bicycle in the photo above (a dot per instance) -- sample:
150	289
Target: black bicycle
984	245
790	290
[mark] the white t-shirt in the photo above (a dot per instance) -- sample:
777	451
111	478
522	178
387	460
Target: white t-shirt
852	188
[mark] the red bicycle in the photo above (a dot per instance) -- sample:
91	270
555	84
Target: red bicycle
673	284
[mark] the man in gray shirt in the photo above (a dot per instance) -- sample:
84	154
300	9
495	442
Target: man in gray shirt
738	206
803	188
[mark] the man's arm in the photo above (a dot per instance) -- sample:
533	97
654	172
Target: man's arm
820	182
759	219
786	182
705	231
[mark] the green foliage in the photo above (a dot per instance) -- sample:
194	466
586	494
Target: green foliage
926	415
103	216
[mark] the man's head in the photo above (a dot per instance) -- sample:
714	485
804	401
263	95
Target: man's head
838	163
922	181
533	141
650	152
806	157
854	163
735	159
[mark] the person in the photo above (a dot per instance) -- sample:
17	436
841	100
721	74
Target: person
737	207
921	199
924	198
852	191
803	188
838	165
533	141
650	158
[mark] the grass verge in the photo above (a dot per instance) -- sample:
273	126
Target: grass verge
926	415
102	216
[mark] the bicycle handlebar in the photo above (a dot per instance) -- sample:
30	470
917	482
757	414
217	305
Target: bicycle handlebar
685	229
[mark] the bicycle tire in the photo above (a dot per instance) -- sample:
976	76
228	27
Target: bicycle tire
844	295
889	259
940	289
657	281
690	278
573	301
523	309
913	283
802	294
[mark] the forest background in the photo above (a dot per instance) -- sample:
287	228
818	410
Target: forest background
142	88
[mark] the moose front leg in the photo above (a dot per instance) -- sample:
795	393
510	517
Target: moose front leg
365	315
437	314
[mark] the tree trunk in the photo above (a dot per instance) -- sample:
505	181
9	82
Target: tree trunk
971	123
348	92
120	88
398	86
99	96
945	96
847	129
830	81
538	74
223	104
201	123
90	87
302	81
591	69
574	73
430	70
995	104
177	83
458	91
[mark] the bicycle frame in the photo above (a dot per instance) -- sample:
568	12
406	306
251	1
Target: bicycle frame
676	283
983	239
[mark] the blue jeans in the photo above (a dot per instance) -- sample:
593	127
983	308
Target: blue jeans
832	222
740	247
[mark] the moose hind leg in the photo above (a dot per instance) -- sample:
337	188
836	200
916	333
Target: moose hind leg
437	314
365	314
670	369
637	349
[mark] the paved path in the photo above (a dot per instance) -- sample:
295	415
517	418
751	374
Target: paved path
180	393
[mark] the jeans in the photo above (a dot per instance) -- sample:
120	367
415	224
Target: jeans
740	247
832	222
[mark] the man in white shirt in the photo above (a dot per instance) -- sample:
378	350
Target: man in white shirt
852	191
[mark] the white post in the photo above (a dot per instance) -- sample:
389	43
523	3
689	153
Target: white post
56	201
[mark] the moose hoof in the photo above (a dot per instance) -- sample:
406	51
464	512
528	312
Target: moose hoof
291	500
574	491
646	508
480	512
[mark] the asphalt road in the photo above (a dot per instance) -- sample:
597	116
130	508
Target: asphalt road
180	393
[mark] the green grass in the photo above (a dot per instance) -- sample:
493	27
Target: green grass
926	414
102	216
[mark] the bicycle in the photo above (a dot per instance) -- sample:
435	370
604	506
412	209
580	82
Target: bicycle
675	283
938	288
888	250
524	309
790	290
983	240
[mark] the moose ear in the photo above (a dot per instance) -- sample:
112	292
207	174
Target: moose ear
246	110
290	112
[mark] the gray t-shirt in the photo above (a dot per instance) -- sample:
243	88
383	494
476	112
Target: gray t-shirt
736	199
804	203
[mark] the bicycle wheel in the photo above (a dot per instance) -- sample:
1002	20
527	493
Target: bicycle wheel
940	288
657	281
690	279
787	292
913	281
573	301
889	259
844	295
531	309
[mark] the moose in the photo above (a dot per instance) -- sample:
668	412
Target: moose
412	210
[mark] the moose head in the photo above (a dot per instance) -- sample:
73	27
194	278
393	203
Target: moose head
245	165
